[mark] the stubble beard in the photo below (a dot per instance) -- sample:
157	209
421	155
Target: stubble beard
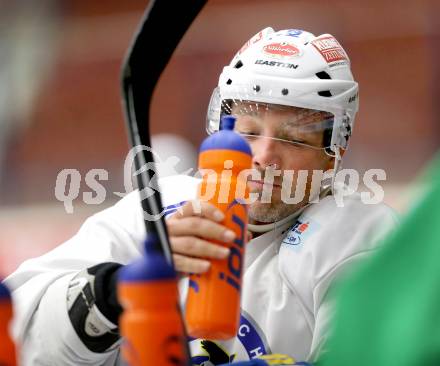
271	212
275	208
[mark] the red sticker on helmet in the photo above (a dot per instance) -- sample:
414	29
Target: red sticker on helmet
282	49
253	40
331	50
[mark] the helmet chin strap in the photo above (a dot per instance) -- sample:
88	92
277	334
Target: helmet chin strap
337	166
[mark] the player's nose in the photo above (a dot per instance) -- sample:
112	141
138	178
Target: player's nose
265	152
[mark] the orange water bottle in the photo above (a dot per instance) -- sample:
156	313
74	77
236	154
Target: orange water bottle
213	303
151	324
7	348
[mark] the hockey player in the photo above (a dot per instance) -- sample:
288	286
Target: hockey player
295	101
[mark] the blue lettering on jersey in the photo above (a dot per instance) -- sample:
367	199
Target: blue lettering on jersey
250	338
249	335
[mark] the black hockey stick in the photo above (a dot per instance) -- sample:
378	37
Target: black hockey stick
140	73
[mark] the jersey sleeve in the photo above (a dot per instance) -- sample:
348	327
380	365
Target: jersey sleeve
39	286
41	323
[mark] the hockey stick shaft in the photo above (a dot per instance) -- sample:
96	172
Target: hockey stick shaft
151	49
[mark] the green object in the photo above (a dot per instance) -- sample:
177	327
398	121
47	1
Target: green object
388	312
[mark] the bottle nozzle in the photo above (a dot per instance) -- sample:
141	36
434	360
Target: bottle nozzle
227	123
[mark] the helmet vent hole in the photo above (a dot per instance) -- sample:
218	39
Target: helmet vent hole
229	82
285	91
256	88
325	93
323	75
238	64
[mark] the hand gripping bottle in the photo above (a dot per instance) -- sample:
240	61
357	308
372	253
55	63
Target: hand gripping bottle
213	302
7	348
151	323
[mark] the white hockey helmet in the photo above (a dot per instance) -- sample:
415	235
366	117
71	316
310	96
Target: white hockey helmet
292	68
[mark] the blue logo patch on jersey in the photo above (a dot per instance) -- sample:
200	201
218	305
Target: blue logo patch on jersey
301	230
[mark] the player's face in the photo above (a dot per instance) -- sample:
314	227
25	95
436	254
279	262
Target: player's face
281	159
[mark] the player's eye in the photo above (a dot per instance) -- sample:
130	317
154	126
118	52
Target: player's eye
293	138
245	132
297	141
249	135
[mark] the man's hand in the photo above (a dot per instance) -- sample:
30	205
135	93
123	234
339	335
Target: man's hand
190	231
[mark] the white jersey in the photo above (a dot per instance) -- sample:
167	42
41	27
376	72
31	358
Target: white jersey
287	274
